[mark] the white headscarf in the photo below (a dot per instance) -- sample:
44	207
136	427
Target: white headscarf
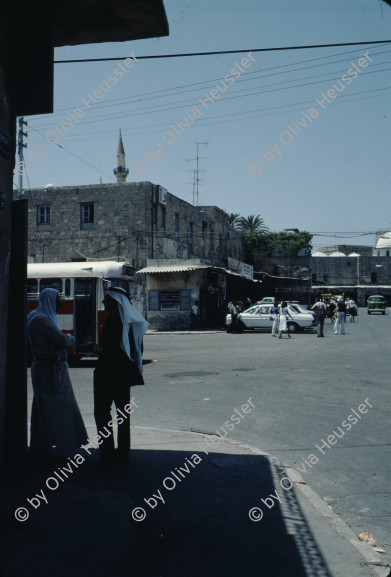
47	307
130	317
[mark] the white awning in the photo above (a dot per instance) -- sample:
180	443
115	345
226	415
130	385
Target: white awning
171	268
164	269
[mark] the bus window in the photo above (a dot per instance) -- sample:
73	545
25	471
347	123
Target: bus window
32	289
55	283
67	290
118	282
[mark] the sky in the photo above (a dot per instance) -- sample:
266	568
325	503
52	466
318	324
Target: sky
269	143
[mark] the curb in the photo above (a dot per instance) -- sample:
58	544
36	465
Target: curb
371	557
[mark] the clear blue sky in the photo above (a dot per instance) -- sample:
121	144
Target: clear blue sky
333	177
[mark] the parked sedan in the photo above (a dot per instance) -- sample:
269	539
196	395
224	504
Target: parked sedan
258	317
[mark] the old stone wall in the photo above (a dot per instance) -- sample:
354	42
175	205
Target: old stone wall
128	221
352	270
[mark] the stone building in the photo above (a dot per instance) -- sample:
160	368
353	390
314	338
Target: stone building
135	221
354	270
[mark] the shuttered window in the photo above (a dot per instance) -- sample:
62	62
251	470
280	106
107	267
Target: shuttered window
169	300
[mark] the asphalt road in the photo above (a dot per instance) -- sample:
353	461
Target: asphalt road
303	389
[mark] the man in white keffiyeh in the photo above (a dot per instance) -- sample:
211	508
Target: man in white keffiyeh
119	368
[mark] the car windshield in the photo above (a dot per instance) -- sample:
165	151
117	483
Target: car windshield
251	310
376	299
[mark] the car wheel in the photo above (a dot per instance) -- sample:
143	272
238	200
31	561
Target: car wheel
369	312
383	313
292	327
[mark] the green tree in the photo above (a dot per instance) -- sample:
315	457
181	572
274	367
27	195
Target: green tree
287	243
252	227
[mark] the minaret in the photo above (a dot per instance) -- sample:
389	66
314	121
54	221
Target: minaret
121	172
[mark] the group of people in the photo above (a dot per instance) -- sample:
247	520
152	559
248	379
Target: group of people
57	427
340	308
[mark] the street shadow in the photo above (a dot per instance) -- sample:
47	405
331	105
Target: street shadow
202	529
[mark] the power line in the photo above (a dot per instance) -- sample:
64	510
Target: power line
213	80
247	77
216	52
178	104
75	155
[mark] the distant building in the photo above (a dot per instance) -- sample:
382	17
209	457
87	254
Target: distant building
354	270
383	244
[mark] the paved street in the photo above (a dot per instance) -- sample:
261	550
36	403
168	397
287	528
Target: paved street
302	390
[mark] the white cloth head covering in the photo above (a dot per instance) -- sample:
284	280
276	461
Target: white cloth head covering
130	317
47	306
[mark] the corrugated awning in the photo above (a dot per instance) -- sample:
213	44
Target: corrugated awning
187	268
171	268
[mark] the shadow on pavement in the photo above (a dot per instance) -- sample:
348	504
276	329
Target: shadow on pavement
202	529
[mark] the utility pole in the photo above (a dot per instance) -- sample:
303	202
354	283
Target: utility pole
21	145
197	180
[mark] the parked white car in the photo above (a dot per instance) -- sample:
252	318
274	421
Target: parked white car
258	317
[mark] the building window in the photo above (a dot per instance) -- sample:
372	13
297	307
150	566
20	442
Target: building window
325	277
43	215
176	225
169	300
374	277
86	216
154	217
163	224
212	239
313	276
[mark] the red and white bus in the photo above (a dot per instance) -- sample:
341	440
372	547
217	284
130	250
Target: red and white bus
82	286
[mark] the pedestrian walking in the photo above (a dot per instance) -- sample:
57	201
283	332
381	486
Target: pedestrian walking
57	427
351	309
340	312
119	368
274	313
320	312
283	320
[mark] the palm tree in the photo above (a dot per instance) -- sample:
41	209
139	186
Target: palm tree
233	218
252	225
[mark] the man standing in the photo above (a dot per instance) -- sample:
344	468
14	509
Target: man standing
320	311
340	311
235	310
119	367
194	316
